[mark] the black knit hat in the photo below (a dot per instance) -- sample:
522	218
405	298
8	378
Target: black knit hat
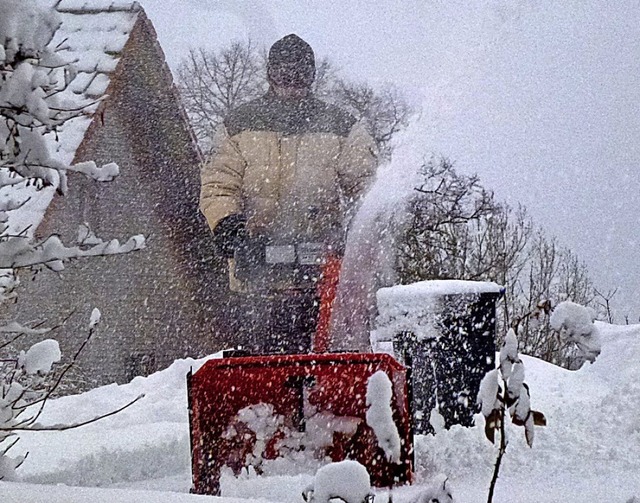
291	63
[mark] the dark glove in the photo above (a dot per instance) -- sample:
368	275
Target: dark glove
229	235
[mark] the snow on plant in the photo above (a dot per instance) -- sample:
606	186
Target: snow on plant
96	315
33	108
574	324
503	390
438	492
33	78
380	415
26	383
40	357
347	480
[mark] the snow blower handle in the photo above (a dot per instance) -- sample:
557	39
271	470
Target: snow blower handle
266	266
303	266
318	255
302	253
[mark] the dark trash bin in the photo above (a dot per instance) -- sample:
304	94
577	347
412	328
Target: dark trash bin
446	343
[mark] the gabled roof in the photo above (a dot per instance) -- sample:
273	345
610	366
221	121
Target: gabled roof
93	36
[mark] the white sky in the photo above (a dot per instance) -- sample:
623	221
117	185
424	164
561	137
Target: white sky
540	98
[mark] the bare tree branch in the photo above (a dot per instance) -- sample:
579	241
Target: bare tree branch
72	426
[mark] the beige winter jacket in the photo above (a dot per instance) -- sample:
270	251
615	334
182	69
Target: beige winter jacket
293	168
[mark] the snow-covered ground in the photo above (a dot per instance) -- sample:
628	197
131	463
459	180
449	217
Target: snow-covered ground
588	452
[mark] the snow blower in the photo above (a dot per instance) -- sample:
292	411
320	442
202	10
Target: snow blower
248	411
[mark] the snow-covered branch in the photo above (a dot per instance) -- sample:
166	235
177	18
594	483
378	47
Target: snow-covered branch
33	76
504	393
72	426
20	252
26	384
33	109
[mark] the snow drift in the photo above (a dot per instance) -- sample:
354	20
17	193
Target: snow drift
588	451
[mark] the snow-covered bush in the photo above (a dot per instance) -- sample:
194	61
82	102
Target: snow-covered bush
347	480
503	390
33	108
574	324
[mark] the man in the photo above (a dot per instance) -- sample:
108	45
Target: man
277	194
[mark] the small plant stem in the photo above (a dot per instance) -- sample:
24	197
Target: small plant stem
503	446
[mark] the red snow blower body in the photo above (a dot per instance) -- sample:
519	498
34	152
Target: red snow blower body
247	411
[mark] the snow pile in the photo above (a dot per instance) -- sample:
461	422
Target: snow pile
261	420
149	440
415	308
575	324
310	446
380	415
587	452
439	492
347	480
589	448
25	493
40	357
298	451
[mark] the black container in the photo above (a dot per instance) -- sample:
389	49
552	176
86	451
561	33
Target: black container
446	369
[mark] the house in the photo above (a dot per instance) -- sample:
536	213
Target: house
158	304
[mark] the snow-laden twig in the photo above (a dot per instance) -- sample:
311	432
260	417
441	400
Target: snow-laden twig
20	331
503	392
26	387
15	328
20	252
72	426
43	400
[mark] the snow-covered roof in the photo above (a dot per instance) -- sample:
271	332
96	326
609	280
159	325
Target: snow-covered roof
93	35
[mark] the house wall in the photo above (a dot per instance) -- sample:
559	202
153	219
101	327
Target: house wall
158	304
